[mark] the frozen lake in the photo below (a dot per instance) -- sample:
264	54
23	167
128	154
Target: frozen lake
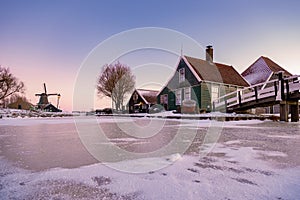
141	158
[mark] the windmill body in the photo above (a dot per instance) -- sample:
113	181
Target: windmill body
44	104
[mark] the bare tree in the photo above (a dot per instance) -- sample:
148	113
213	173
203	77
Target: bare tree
115	82
9	84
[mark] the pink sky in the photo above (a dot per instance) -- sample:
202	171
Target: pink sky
48	41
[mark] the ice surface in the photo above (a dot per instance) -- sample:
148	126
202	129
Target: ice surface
236	168
64	120
239	176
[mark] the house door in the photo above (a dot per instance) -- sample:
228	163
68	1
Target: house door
166	101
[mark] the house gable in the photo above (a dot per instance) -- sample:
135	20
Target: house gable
136	98
142	97
262	70
51	108
191	77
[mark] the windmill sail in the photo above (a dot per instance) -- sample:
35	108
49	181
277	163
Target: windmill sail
45	88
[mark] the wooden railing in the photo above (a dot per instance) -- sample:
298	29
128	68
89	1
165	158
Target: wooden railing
280	89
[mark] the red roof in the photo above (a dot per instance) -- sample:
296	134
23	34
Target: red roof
261	70
148	95
216	72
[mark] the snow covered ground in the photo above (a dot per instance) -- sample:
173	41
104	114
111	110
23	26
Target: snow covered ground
17	113
250	160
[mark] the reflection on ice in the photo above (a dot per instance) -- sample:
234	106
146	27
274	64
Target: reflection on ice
251	160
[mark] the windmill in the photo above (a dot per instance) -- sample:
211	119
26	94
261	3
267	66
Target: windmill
43	102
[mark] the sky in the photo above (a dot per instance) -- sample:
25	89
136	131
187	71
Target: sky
48	41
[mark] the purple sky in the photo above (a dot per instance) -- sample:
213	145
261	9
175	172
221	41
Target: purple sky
47	41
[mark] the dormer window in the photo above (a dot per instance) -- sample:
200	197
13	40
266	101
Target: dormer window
181	75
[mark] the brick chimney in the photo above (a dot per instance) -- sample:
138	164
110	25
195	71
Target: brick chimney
209	53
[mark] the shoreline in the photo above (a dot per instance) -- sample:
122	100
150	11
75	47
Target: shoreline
15	113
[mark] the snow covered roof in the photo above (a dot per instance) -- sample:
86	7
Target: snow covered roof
149	96
261	70
216	72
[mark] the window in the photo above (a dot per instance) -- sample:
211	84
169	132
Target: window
165	99
144	106
161	99
181	75
187	93
135	97
178	97
214	92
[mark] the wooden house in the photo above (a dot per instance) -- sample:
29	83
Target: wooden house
141	100
50	108
262	71
20	103
199	81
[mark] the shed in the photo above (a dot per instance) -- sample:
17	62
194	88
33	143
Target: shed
20	103
141	100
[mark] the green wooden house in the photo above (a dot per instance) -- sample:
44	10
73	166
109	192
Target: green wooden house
199	81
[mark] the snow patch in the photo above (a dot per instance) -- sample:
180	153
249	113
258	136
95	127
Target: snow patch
285	136
190	177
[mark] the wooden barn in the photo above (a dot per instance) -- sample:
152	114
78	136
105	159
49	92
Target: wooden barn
20	103
200	82
141	100
261	71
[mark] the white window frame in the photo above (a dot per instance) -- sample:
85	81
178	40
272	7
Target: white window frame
187	93
178	95
162	99
215	92
181	75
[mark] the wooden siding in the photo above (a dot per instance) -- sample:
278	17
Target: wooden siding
171	101
205	94
200	91
163	92
173	84
205	97
190	79
196	94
